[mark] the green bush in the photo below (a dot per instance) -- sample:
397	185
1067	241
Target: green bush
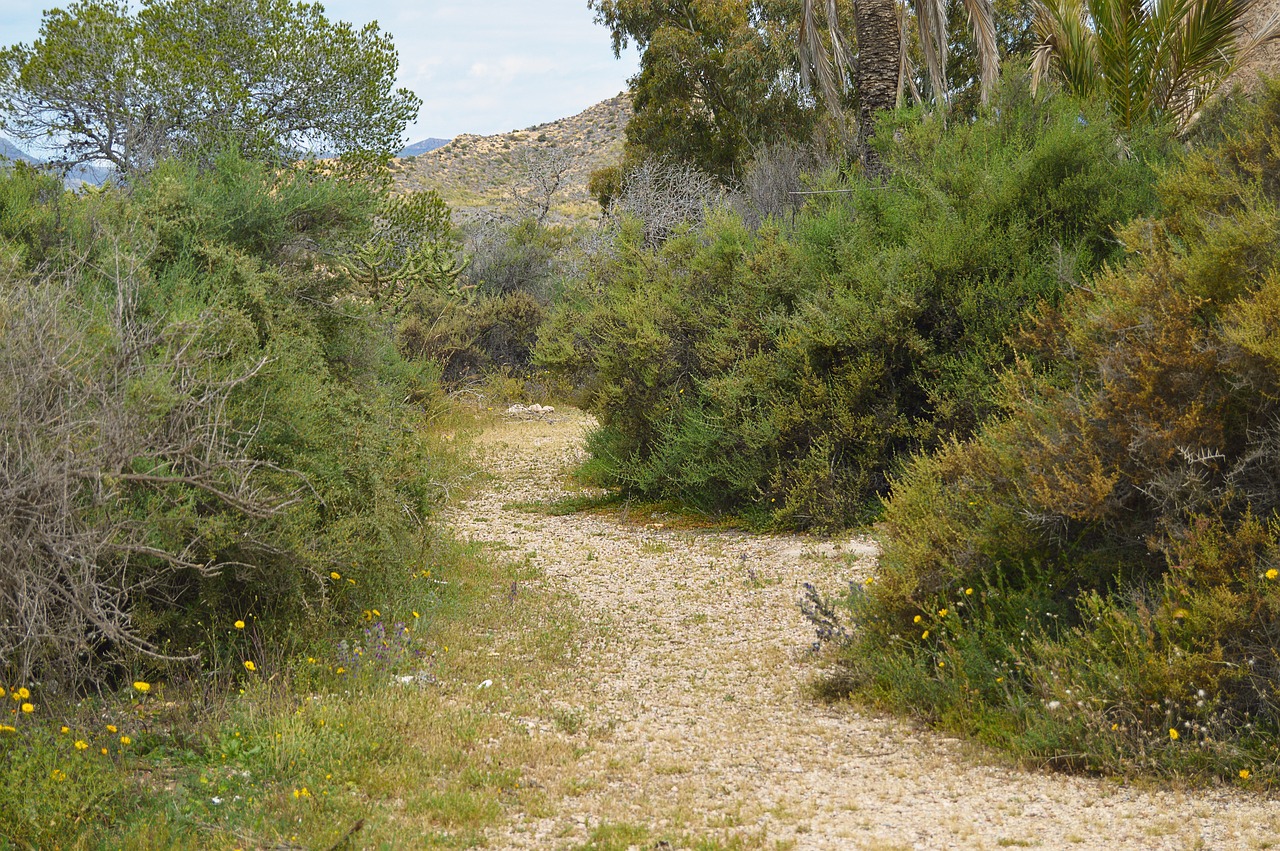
1107	549
782	371
203	424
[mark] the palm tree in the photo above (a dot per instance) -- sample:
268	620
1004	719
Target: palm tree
881	63
1152	59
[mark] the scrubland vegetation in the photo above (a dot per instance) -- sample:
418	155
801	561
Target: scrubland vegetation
1031	342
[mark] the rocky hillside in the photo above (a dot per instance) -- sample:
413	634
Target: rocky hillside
477	174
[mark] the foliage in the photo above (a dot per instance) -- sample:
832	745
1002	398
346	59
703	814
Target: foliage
271	79
492	324
783	371
716	79
1147	61
204	424
411	243
1107	551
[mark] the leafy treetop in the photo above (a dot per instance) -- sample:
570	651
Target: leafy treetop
271	79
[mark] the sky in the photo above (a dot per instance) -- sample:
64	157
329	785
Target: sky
485	66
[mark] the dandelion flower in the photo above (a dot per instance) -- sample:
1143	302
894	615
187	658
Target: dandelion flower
916	619
1273	573
1115	727
1	692
111	728
999	679
249	666
28	708
942	664
142	687
968	592
377	614
924	635
82	745
23	693
65	729
1173	734
341	670
239	624
5	728
351	582
104	751
333	574
1244	774
415	614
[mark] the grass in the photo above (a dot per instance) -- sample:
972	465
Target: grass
419	748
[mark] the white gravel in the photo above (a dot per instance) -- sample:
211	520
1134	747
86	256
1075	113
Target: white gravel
693	716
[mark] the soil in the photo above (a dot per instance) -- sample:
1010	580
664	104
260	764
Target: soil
695	717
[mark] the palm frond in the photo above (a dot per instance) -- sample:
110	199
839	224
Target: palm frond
830	64
982	23
931	18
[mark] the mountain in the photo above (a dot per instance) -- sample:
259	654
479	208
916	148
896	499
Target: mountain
475	173
423	147
12	152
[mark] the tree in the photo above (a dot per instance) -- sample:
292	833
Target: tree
880	65
1161	59
272	79
717	78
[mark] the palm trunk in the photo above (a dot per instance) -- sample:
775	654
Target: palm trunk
875	71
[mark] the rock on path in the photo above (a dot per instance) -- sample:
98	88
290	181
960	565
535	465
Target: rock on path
694	720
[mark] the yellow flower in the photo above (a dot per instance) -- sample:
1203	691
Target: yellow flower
1	692
142	687
104	751
249	666
81	745
1273	573
304	792
28	708
311	660
916	619
335	575
942	664
111	728
1180	613
942	613
341	670
1173	734
23	693
1115	727
968	592
5	728
125	740
65	729
239	624
377	614
999	679
924	635
415	614
351	582
1244	774
58	775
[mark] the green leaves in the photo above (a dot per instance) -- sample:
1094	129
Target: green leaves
270	79
1156	61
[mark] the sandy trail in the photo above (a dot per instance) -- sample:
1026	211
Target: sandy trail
693	719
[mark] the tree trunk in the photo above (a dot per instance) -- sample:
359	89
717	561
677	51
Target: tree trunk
875	71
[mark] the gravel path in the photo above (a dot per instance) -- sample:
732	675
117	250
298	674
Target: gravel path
692	717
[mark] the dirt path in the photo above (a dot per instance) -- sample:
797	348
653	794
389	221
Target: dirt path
693	721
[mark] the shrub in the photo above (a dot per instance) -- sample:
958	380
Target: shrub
783	370
1119	522
199	421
